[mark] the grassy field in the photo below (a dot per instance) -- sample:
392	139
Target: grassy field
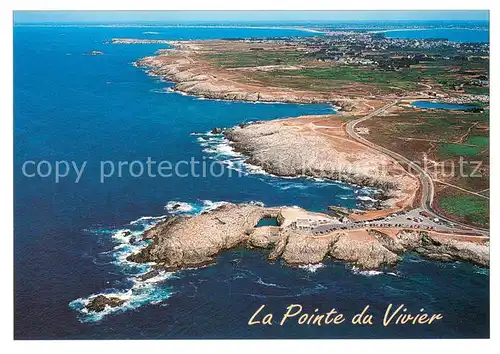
482	141
254	58
469	207
360	74
444	137
322	78
319	76
456	141
457	150
477	90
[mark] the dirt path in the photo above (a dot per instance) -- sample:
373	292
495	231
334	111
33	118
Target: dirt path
462	189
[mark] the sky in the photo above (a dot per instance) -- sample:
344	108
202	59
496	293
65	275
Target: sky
242	16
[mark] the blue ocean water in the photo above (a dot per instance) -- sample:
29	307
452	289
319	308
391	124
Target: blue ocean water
69	241
441	105
451	34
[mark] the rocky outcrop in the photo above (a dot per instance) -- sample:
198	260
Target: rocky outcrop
302	249
278	249
149	275
403	242
100	302
366	254
195	241
264	237
191	74
138	41
436	246
288	149
216	130
181	242
449	249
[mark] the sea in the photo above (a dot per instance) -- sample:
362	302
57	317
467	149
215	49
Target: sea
71	239
461	35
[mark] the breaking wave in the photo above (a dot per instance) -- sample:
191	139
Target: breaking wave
371	273
184	208
217	147
312	268
262	282
135	289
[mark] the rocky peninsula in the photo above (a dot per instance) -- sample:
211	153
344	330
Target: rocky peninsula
317	146
183	242
138	41
314	146
187	66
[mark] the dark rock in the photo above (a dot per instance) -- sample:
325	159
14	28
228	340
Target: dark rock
246	124
151	274
217	131
140	257
99	303
439	257
132	240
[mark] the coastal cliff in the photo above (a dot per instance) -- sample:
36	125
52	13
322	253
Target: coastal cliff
183	242
317	146
185	66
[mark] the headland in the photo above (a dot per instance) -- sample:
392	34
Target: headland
368	89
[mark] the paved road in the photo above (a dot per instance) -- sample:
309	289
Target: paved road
425	178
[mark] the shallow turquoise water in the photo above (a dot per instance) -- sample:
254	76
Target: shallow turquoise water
268	222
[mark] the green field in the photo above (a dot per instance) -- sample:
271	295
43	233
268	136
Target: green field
456	150
254	58
481	141
471	208
477	90
405	79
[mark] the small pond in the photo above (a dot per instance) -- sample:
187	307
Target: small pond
441	105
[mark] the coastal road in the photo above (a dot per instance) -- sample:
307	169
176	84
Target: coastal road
425	178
